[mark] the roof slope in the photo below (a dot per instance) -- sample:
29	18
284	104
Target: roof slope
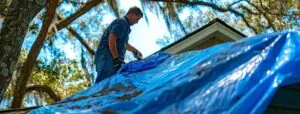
238	77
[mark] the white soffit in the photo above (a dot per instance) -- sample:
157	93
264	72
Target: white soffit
216	30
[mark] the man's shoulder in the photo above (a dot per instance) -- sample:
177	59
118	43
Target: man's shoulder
119	21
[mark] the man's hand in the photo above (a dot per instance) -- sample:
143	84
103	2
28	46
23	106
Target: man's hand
137	54
117	63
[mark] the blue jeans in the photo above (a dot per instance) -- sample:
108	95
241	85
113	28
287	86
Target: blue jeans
103	62
105	69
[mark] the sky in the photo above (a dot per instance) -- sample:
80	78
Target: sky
143	36
1	21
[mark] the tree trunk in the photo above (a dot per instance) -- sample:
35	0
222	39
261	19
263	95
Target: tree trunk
35	49
19	15
33	54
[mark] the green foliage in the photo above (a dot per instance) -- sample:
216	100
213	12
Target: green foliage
284	13
114	7
3	7
62	75
170	13
248	16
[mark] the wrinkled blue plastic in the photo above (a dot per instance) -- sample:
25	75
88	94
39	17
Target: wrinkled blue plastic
147	63
235	78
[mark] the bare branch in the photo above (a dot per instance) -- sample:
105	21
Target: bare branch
72	31
43	88
192	3
248	10
247	23
171	14
220	9
77	2
234	3
81	40
79	13
166	19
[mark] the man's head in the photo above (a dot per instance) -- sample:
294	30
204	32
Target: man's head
134	14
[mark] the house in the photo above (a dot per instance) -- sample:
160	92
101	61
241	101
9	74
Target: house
285	101
213	33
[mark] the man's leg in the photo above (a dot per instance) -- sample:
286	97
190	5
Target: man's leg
105	71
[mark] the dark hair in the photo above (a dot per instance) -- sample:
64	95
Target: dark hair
135	10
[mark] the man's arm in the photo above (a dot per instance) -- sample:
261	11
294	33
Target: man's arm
130	48
114	52
137	54
113	45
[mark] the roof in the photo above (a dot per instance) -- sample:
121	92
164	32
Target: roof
235	77
217	20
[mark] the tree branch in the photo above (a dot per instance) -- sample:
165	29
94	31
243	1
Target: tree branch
77	2
247	23
267	18
166	19
81	40
81	11
220	9
192	3
43	88
248	10
235	3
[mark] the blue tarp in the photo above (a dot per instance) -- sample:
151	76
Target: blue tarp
237	78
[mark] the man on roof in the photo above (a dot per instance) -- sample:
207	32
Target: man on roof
114	42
